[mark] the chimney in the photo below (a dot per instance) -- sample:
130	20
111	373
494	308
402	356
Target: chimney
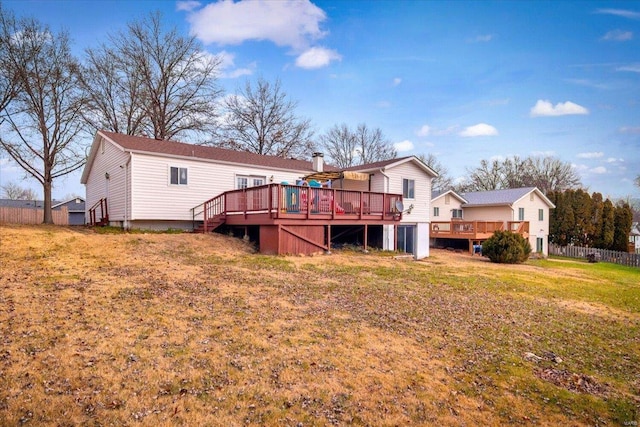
318	162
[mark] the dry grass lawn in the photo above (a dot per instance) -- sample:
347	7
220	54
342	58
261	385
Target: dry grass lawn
181	329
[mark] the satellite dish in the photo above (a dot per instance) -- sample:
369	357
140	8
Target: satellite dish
399	206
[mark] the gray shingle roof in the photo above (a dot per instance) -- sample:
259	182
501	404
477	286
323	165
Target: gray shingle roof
496	197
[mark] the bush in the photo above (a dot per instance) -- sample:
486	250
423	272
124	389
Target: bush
505	247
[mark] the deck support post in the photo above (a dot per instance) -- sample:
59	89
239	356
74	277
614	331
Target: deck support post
328	239
366	237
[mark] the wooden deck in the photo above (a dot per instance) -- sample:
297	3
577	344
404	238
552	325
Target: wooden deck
297	219
476	230
291	204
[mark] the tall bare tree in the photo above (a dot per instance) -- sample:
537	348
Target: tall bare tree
149	80
547	173
347	147
443	182
261	119
9	83
42	123
13	191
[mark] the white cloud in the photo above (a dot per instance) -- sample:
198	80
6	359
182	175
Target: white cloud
291	23
484	38
618	36
481	129
187	5
424	131
614	160
598	170
633	68
630	129
543	153
397	81
317	57
228	67
405	145
545	108
591	155
620	12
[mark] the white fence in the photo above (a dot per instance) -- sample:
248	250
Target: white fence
622	258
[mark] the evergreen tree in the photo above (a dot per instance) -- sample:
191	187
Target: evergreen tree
623	218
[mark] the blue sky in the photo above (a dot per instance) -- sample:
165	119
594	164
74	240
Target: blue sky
463	80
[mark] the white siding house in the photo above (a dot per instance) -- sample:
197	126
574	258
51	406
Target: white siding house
162	184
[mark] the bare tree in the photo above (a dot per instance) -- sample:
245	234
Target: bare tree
339	143
348	147
9	82
152	81
41	125
14	191
637	181
262	120
547	173
372	145
443	182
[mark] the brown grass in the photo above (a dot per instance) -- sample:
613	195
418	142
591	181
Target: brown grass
181	329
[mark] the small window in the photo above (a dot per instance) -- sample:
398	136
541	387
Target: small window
258	181
408	188
520	214
456	213
531	197
246	181
447	199
178	176
436	211
242	183
540	214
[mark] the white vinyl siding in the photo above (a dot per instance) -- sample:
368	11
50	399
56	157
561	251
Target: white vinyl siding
155	199
108	160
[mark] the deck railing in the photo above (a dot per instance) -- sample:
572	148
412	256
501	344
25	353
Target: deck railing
475	229
103	213
303	202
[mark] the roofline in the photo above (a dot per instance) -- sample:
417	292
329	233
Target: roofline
422	165
67	201
456	195
223	162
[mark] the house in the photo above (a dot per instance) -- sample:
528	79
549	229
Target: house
76	209
137	182
473	217
634	238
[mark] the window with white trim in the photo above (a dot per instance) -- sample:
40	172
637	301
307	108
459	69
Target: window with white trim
456	213
408	188
540	214
178	176
246	181
520	214
436	211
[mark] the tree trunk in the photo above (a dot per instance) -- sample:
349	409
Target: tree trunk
48	214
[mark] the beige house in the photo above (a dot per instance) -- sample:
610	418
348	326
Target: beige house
473	217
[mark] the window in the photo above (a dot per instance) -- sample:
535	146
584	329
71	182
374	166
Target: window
456	213
436	211
246	181
539	244
540	214
408	186
520	214
178	176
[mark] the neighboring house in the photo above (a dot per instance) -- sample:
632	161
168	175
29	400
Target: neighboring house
475	216
31	212
137	182
634	236
76	208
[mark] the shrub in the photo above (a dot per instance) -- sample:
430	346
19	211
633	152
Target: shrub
505	247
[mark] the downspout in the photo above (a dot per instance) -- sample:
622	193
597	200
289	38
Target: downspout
125	223
385	189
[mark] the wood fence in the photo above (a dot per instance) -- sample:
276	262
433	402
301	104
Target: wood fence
32	216
622	258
